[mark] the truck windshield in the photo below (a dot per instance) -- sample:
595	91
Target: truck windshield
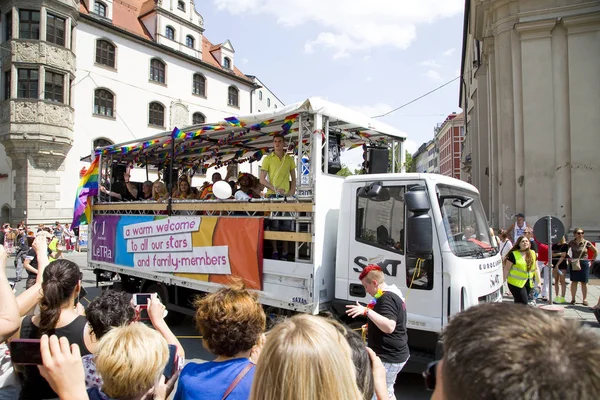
465	223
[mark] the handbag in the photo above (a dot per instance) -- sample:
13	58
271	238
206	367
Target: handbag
575	265
237	380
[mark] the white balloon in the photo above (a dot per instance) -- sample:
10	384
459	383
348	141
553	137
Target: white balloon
222	190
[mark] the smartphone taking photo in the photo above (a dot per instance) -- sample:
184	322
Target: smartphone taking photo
141	299
25	351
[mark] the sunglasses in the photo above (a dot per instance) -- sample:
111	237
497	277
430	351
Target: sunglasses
579	233
429	375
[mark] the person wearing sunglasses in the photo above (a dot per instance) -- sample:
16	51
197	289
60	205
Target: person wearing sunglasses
503	351
580	265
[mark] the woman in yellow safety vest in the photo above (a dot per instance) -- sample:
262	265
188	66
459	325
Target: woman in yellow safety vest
520	269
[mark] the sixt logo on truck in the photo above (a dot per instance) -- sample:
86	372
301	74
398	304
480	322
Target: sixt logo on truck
389	267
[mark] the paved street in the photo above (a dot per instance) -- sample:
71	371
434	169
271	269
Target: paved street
408	386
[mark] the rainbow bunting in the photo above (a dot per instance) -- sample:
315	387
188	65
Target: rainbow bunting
288	122
178	134
88	187
233	121
258	127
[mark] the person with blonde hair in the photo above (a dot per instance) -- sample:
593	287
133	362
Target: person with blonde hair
305	358
159	191
131	359
231	322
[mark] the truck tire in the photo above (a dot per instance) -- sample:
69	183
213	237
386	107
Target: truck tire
173	318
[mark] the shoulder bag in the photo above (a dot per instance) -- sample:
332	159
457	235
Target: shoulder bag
237	380
575	264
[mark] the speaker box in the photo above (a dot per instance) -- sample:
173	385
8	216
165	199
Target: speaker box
333	154
167	177
118	173
378	160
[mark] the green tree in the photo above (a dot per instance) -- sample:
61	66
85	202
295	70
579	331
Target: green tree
345	171
409	162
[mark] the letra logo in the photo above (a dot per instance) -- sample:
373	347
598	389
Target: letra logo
389	267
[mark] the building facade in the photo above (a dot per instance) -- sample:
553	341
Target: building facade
449	138
76	75
420	159
263	99
432	157
530	91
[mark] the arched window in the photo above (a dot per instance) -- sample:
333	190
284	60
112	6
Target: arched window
104	103
199	85
181	5
102	142
198	118
260	94
189	41
157	71
100	8
268	102
233	96
227	63
170	33
105	53
156	114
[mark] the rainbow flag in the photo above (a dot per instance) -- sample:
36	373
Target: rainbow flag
88	187
288	122
233	121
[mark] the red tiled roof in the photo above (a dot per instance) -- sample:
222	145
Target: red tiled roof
126	15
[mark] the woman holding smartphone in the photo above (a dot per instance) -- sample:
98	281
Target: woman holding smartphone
58	316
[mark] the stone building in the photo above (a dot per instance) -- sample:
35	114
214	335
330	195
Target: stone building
530	91
79	74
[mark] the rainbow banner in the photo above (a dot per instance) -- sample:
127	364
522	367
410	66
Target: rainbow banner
88	187
233	121
288	122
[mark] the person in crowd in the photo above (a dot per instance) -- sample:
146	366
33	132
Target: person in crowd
559	267
58	315
504	245
520	270
184	190
386	323
58	232
539	265
233	185
305	357
31	260
207	189
231	322
69	237
9	239
518	227
146	353
495	239
22	246
113	309
10	385
278	175
129	192
562	357
9	312
580	265
246	190
146	193
159	191
370	372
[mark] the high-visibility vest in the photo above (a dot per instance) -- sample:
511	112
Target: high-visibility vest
519	273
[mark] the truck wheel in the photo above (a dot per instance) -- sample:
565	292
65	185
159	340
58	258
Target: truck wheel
173	318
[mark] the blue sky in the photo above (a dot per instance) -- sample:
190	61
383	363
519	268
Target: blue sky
369	55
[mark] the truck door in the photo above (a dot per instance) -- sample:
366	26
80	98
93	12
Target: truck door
379	238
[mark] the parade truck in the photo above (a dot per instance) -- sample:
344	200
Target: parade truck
427	232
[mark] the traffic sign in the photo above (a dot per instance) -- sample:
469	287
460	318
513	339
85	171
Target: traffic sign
540	230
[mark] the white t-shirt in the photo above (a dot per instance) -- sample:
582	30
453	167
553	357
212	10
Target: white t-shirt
505	247
519	231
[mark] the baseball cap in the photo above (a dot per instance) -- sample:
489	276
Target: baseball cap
520	215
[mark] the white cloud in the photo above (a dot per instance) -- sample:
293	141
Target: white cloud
410	146
433	75
244	61
369	79
347	26
366	58
372	110
431	63
449	52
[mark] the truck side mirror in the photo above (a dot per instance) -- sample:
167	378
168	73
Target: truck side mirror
419	233
371	190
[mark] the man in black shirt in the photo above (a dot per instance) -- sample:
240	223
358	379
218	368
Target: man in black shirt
31	263
386	326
